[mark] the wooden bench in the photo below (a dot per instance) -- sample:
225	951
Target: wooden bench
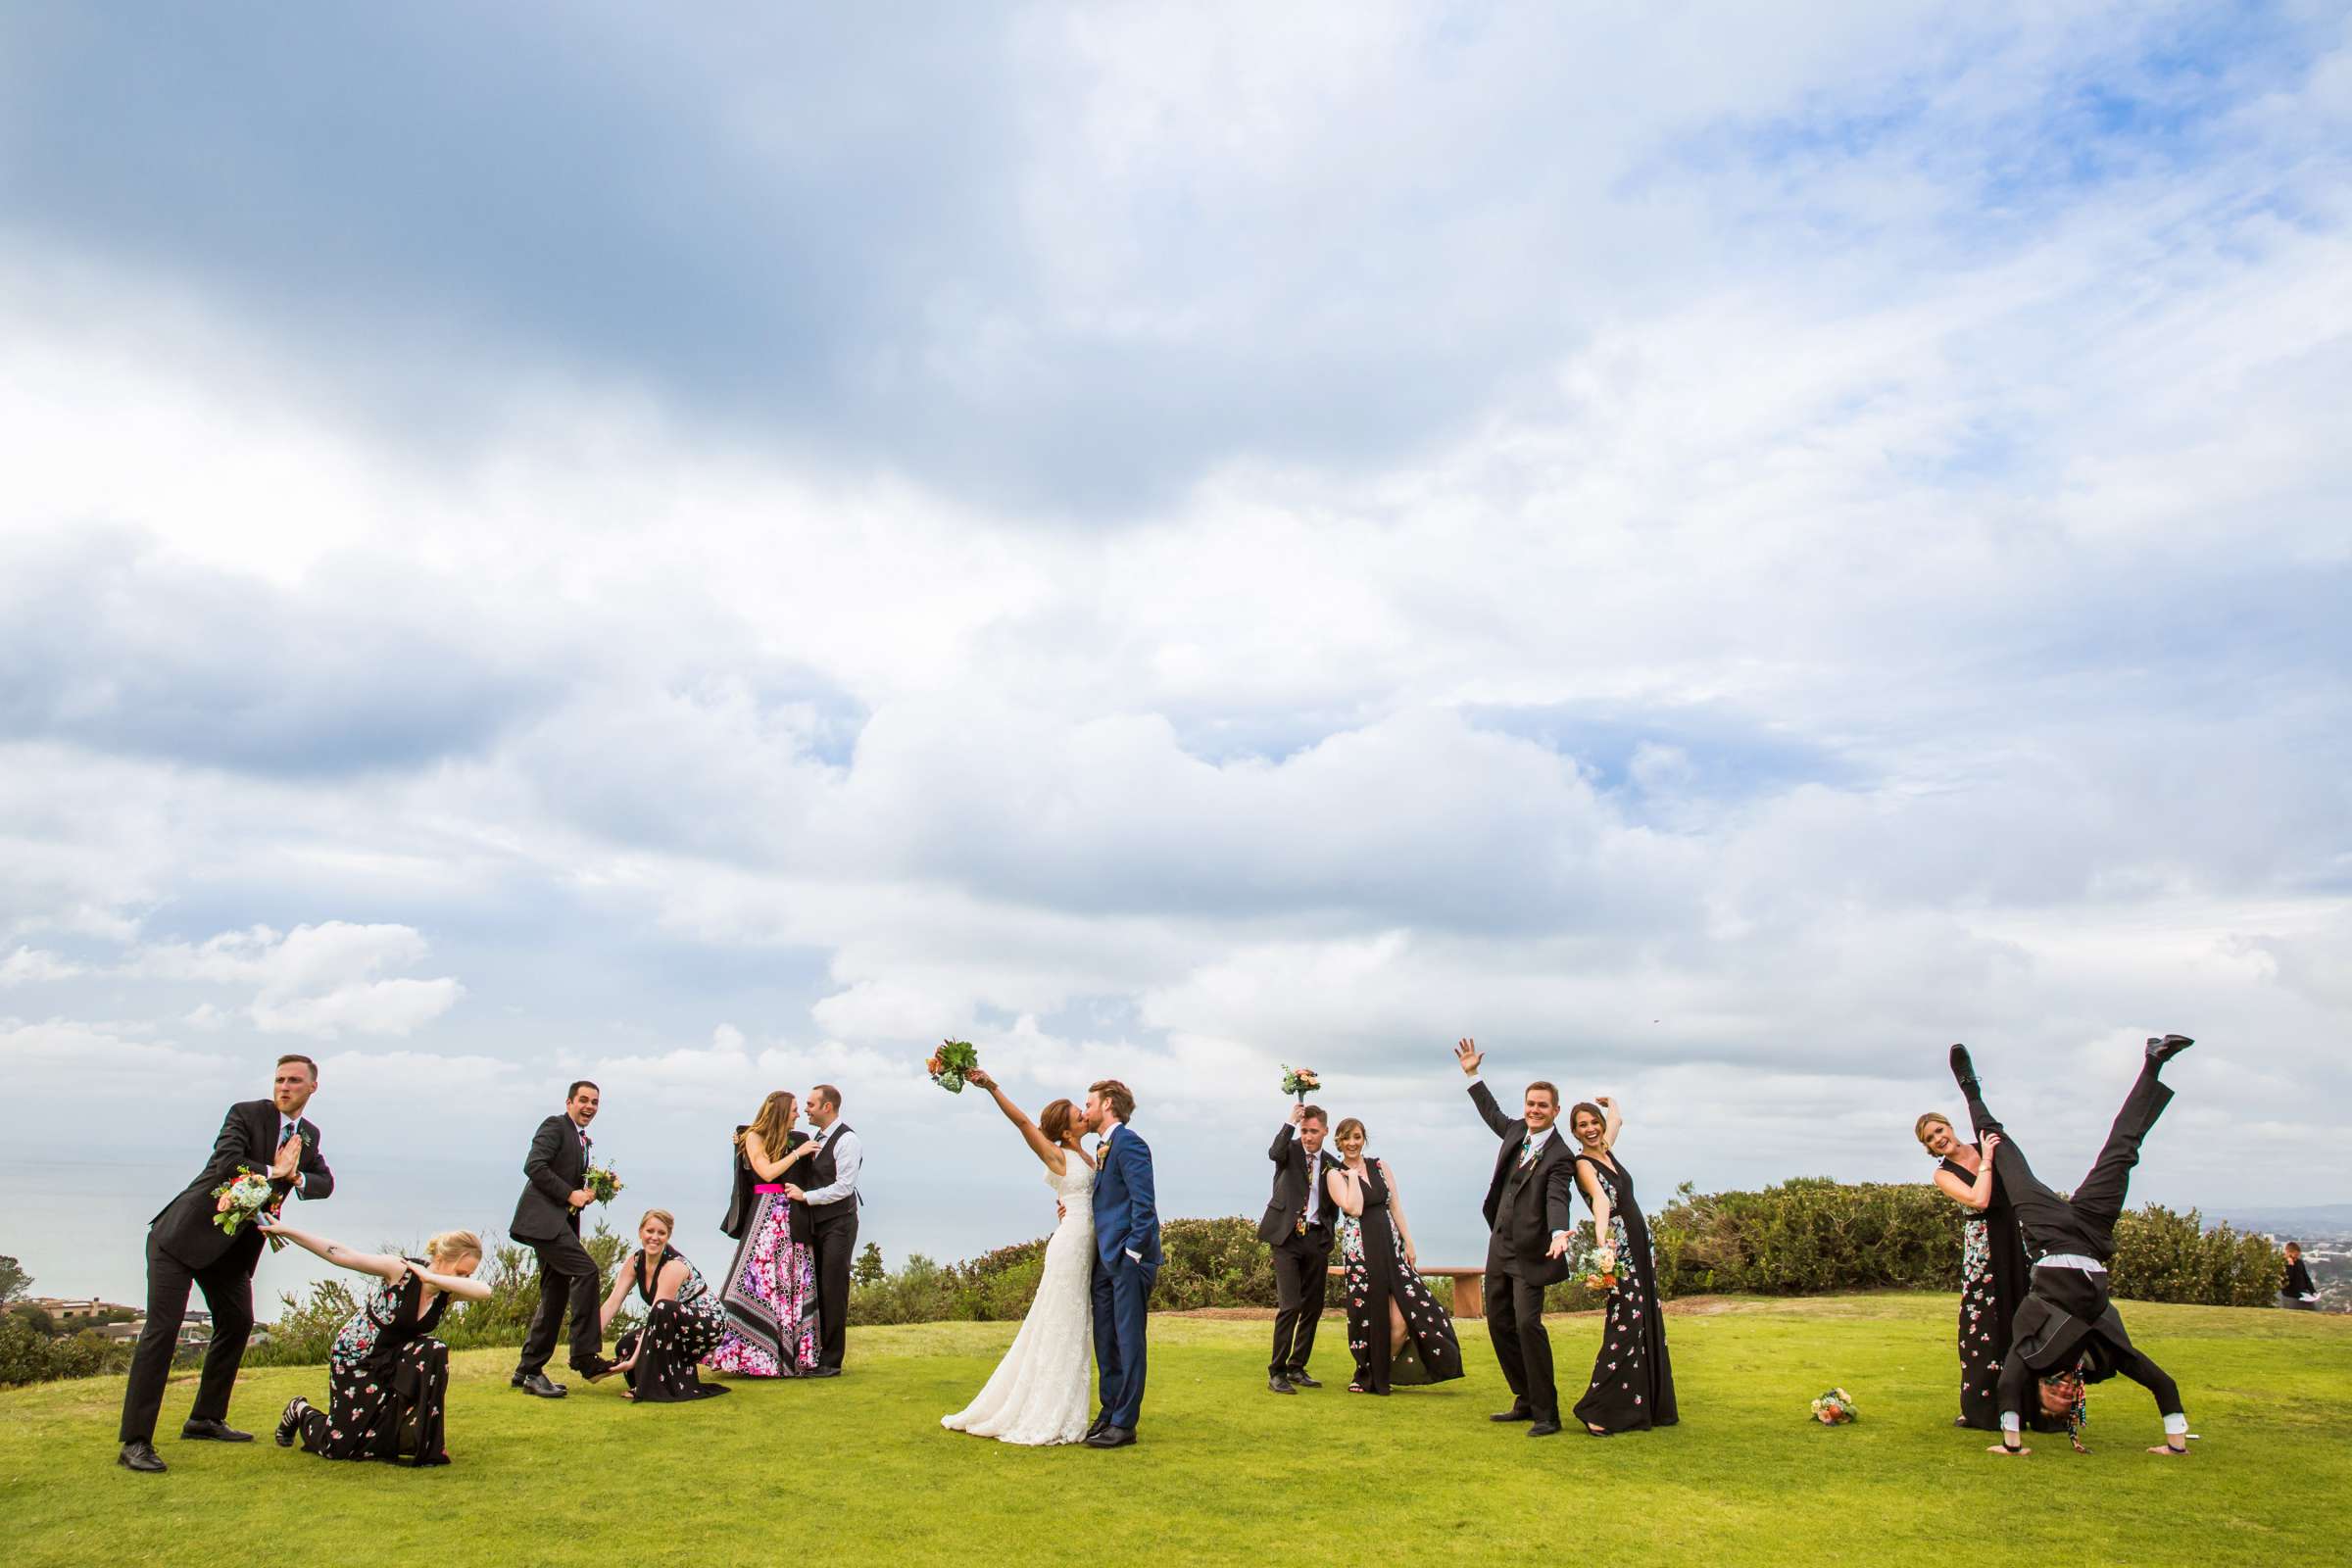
1469	1287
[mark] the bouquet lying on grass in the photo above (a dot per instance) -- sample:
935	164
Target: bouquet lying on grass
949	1062
1835	1409
602	1183
1300	1081
243	1196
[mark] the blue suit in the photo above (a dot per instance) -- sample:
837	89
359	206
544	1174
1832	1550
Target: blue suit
1126	1262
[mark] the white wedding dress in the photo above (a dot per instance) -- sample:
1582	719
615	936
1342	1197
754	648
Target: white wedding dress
1043	1391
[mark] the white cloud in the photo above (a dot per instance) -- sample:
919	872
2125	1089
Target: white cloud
314	980
31	965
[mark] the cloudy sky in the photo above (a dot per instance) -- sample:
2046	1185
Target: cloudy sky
1716	552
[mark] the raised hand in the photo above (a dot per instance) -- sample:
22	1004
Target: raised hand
289	1160
979	1077
1297	1114
1469	1056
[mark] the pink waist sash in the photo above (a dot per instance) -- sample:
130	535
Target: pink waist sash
767	1187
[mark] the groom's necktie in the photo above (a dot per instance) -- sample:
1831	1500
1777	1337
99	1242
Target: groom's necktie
285	1132
1527	1150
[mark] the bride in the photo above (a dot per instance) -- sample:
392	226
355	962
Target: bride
1040	1392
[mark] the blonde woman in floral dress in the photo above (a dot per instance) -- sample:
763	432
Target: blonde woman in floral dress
387	1377
1633	1381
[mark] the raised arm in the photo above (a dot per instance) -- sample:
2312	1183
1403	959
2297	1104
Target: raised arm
382	1265
1975	1195
1610	1120
1286	1140
1054	1159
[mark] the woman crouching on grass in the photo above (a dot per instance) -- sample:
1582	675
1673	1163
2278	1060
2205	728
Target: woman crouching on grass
388	1378
683	1319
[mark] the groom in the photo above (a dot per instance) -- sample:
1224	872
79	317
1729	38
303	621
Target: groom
1126	1260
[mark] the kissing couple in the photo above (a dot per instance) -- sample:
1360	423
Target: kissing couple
1096	1287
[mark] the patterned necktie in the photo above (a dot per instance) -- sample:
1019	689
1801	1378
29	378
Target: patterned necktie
285	1132
1527	1150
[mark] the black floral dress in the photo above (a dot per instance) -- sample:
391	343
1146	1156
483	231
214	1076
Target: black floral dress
1633	1381
1373	1271
388	1380
677	1335
1993	1281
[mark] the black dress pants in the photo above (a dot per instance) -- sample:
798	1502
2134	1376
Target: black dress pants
2085	1223
836	1247
1515	1323
1301	1271
227	1287
567	1277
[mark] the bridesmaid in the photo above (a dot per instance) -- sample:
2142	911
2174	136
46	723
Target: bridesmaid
1633	1381
769	1295
1993	1277
387	1379
682	1319
1399	1332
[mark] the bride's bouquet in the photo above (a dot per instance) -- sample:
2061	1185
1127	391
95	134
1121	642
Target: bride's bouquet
1601	1269
1300	1081
243	1196
1835	1409
602	1183
950	1063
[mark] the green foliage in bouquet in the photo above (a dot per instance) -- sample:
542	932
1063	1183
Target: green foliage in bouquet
949	1063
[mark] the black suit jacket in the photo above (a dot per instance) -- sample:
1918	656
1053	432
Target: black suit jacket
184	1228
1293	1170
555	1168
1544	1199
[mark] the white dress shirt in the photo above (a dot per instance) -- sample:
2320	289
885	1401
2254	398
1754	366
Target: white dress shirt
848	1156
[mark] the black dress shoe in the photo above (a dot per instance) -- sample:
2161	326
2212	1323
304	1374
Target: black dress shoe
537	1382
1101	1419
1300	1379
141	1456
1963	1069
1278	1384
2162	1050
1112	1437
1547	1426
822	1372
593	1368
209	1431
1517	1412
292	1422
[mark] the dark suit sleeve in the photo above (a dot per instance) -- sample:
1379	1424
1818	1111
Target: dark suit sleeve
1559	1196
231	1149
1283	1142
316	1180
1134	1164
539	1166
1484	1099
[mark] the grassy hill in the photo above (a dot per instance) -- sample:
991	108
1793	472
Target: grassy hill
857	1470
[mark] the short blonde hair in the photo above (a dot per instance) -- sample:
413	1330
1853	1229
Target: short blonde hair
450	1246
1919	1129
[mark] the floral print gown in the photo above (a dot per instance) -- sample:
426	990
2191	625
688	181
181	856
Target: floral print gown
1633	1382
677	1335
1373	1271
1993	1280
388	1380
769	1298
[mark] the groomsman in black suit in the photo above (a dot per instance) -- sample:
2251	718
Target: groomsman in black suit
184	1247
547	1220
1299	1226
1529	1223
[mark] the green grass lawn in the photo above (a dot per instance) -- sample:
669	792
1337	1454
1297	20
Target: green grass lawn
858	1470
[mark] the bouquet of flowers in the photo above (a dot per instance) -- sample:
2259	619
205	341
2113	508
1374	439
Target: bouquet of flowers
602	1183
949	1062
1601	1269
241	1197
1300	1081
1835	1409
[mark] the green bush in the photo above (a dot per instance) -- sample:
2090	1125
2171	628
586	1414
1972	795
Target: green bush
2164	1256
27	1355
1806	1237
